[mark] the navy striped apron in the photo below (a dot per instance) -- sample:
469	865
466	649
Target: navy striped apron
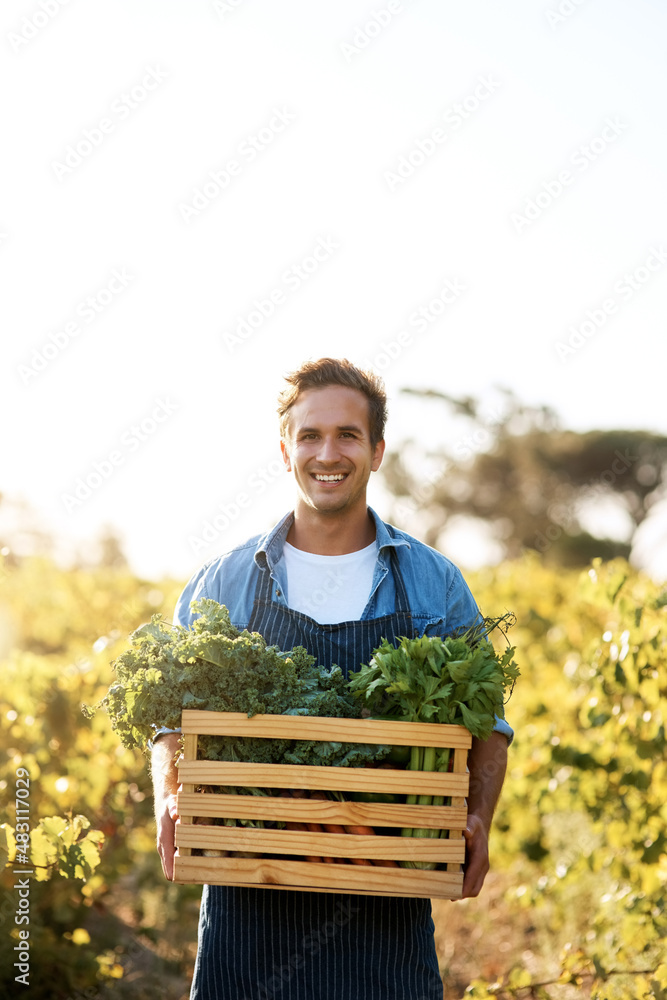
275	944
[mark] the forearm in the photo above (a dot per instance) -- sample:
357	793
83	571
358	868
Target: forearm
487	763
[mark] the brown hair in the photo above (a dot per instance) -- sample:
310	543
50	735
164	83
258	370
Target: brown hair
334	371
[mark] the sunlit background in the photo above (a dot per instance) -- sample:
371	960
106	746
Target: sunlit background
500	167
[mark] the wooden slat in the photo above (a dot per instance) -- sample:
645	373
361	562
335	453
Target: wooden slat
330	845
313	877
316	728
315	811
357	779
460	765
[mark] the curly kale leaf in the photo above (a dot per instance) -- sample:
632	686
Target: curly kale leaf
212	665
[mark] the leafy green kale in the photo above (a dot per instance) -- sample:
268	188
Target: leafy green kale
214	666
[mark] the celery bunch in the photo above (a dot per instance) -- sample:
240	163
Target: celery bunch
460	680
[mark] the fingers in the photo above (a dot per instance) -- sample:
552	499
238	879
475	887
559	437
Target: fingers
167	853
477	858
166	830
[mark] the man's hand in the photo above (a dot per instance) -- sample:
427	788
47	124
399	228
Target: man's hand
166	829
165	786
477	857
487	762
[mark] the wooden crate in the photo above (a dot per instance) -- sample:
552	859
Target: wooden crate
314	876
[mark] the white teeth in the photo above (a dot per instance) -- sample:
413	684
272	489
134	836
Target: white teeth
329	479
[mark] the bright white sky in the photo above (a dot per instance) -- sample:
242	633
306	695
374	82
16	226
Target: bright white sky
157	95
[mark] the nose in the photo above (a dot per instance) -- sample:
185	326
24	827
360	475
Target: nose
328	452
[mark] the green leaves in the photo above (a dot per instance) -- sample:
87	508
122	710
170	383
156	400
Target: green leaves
214	666
458	680
65	845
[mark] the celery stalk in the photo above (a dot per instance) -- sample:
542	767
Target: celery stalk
421	759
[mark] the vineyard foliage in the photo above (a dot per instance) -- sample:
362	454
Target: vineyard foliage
582	820
578	847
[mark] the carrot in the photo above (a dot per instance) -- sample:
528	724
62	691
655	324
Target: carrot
335	828
361	831
303	828
367	831
316	828
329	827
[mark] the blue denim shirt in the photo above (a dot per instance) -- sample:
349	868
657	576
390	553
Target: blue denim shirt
439	598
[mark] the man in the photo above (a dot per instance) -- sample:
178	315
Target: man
332	577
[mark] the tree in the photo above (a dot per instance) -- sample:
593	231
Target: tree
534	484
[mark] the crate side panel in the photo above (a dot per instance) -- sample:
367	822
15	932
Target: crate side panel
315	727
359	779
314	877
319	811
334	845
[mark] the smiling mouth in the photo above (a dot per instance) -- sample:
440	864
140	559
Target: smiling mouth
336	477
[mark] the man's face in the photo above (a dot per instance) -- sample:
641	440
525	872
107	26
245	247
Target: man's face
328	448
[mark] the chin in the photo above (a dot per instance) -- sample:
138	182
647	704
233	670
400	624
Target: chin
331	505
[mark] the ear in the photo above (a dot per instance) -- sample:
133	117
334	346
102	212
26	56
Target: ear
378	455
286	458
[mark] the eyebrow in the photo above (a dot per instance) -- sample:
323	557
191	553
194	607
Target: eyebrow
341	427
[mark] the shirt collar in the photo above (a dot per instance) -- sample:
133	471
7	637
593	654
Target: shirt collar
270	546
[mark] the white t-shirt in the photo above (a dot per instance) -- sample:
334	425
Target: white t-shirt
329	589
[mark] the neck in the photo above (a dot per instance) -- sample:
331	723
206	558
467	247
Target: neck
331	534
